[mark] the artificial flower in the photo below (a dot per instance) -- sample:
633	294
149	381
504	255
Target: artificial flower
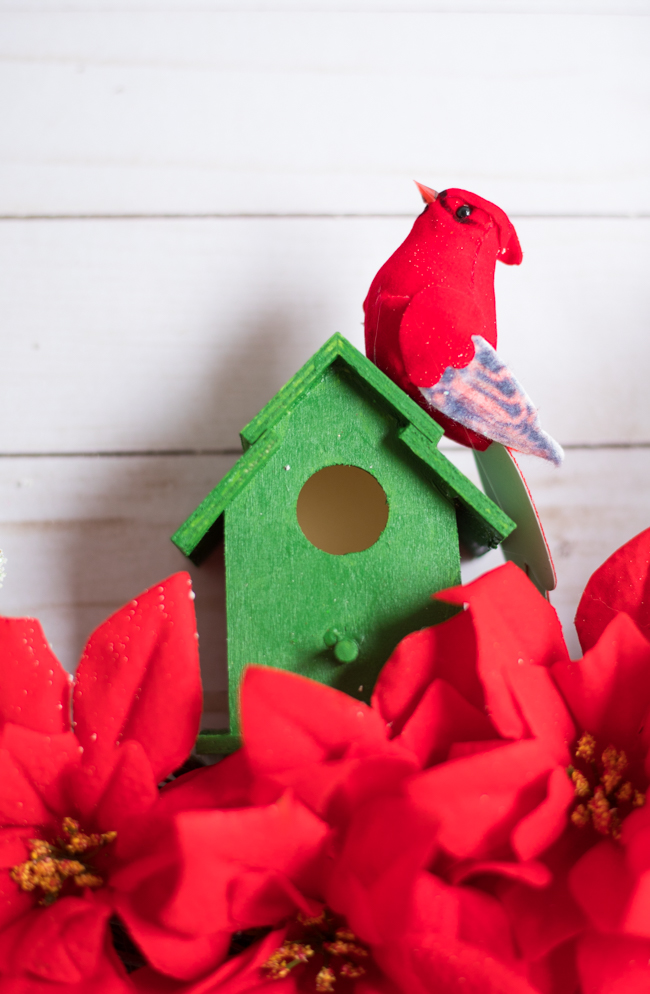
79	799
348	774
363	913
561	788
621	584
480	828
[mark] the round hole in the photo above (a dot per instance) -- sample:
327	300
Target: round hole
342	509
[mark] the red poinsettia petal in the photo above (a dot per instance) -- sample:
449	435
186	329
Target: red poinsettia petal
636	920
622	583
541	706
608	690
557	971
43	759
377	880
259	896
139	678
635	835
442	717
13	844
632	879
155	869
544	918
538	830
130	793
611	964
314	784
446	651
433	965
533	873
512	621
20	804
435	906
110	977
601	884
361	780
62	944
289	721
460	750
242	974
13	902
112	792
483	923
220	847
477	801
183	957
34	687
227	784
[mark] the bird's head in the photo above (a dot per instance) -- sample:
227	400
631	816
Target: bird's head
476	216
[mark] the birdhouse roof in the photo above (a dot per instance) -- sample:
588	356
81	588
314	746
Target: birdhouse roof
481	523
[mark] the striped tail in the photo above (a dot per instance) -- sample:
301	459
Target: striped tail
486	397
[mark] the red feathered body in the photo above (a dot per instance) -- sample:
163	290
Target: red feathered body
435	292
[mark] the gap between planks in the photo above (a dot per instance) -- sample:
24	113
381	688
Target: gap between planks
153	453
288	216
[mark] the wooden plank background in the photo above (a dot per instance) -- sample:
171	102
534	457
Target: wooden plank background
193	197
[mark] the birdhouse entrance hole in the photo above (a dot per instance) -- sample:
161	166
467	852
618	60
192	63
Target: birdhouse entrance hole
342	509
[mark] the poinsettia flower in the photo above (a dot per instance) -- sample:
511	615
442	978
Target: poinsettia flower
581	817
369	916
622	583
356	848
483	794
78	799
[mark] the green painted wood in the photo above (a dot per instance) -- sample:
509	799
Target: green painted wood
482	525
338	348
284	596
195	528
335	618
210	743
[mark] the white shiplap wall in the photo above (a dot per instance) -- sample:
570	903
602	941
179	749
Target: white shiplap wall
193	197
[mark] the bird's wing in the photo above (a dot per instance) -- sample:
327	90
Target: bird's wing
526	546
436	332
486	397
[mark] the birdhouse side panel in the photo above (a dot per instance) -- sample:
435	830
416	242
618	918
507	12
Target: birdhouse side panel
294	605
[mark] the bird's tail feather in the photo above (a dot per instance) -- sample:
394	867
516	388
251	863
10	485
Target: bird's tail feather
486	397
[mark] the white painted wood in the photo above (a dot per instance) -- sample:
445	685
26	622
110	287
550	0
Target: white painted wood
330	6
196	111
166	335
573	324
172	334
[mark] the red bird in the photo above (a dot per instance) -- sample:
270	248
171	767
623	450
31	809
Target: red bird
430	324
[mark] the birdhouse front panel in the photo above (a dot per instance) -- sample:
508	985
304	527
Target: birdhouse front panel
340	519
335	546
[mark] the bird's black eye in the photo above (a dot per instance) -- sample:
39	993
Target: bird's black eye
463	212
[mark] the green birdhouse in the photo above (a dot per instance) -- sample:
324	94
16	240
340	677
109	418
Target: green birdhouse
340	520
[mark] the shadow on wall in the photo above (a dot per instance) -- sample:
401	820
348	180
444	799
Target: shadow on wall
133	504
257	362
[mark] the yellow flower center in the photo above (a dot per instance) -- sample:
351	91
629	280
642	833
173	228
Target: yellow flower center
605	798
336	948
51	864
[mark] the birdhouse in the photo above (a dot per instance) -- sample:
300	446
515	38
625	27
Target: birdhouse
340	520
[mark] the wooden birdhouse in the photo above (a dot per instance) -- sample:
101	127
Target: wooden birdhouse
340	520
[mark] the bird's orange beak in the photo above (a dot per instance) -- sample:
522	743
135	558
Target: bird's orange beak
427	194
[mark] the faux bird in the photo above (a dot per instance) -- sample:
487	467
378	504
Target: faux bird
430	324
